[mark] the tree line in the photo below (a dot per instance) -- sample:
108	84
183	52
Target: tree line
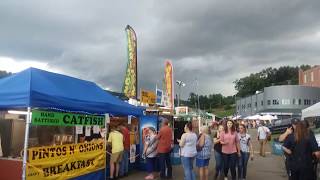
209	102
268	77
4	73
246	86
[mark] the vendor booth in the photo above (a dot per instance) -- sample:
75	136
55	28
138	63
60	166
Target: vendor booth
52	126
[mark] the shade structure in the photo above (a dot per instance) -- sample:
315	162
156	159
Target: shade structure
236	117
37	88
254	117
312	111
268	117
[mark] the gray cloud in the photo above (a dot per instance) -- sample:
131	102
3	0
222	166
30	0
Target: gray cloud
215	42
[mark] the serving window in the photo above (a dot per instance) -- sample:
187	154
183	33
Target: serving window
12	135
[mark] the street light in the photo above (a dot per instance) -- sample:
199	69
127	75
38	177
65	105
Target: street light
180	84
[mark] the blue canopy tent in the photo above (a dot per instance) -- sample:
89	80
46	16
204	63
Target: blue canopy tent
35	88
41	89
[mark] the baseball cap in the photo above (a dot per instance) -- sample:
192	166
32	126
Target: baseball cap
295	120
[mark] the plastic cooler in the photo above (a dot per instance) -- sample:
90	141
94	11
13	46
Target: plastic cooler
277	148
175	155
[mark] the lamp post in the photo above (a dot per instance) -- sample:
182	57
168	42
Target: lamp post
180	84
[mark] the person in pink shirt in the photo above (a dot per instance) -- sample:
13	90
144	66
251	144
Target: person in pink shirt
230	149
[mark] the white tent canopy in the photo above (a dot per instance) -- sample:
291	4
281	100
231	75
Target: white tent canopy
311	111
254	117
236	117
268	117
259	117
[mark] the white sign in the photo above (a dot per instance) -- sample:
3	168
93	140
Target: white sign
107	117
129	119
133	153
96	129
79	129
88	131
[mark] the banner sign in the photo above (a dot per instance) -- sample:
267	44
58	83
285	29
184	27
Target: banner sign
65	119
182	110
159	96
130	80
65	161
169	83
148	97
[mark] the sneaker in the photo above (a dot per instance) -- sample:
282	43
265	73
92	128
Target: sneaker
225	178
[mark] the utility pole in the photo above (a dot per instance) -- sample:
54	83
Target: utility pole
180	84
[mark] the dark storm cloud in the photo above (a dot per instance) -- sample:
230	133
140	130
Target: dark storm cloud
215	42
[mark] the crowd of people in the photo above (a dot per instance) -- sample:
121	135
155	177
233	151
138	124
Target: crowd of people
231	146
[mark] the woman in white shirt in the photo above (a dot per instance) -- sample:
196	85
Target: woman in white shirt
188	145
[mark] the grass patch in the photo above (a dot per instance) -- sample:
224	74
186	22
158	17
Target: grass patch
223	113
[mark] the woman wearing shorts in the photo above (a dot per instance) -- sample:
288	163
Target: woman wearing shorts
204	152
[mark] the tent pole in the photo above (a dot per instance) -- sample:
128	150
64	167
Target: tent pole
26	137
106	149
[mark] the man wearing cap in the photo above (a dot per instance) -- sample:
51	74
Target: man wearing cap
164	149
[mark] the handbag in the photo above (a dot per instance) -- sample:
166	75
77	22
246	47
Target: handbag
268	134
199	148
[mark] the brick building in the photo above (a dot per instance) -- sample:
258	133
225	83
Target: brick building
310	77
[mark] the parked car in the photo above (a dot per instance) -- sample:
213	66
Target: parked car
280	125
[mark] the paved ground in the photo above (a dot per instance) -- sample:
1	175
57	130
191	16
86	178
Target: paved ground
267	168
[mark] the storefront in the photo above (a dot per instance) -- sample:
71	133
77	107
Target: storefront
67	141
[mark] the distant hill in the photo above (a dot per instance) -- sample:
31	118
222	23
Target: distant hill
4	74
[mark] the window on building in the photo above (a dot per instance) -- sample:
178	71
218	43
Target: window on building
255	104
249	105
261	103
285	101
307	102
269	102
305	78
314	101
299	101
312	78
275	102
293	101
238	107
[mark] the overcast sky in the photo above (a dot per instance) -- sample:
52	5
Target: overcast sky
214	41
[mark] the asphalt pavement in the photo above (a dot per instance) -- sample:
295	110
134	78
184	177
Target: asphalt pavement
270	167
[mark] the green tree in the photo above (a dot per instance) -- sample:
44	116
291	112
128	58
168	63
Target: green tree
270	76
4	73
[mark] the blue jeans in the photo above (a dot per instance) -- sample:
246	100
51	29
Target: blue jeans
151	164
242	164
124	164
165	164
187	163
230	163
219	162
